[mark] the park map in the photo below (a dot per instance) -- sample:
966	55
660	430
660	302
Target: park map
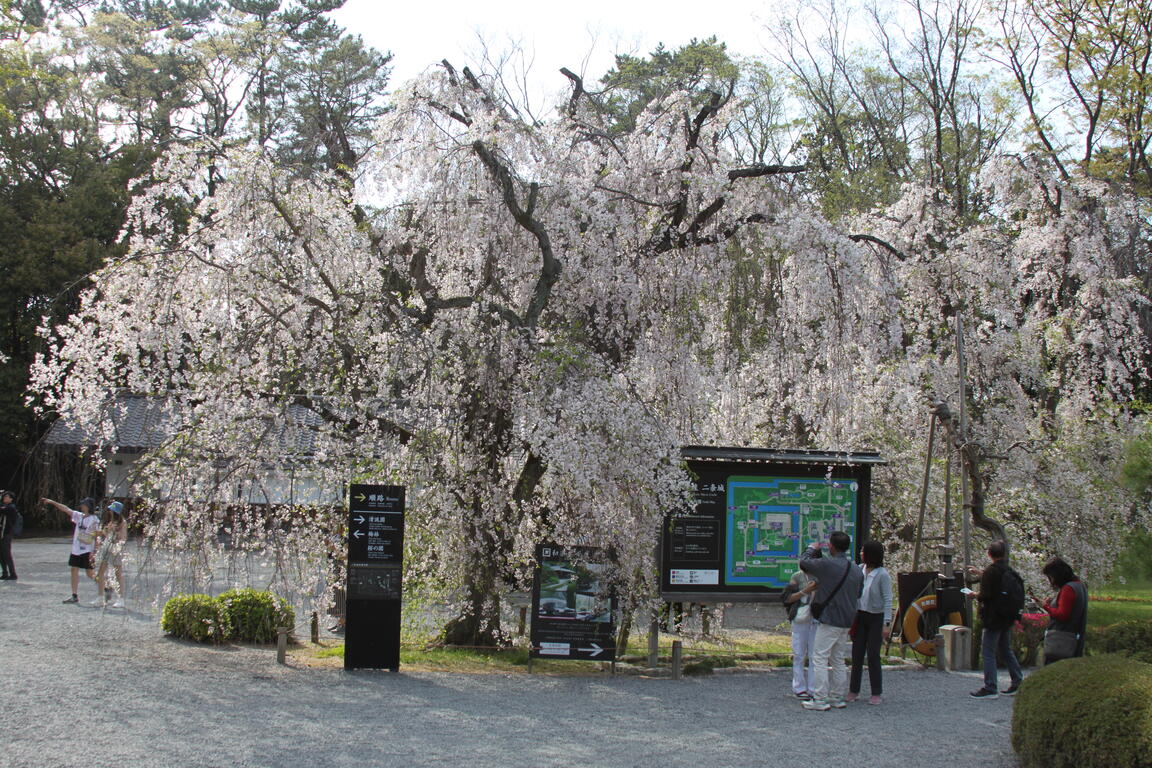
771	520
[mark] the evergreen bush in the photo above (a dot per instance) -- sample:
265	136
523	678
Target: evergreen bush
256	616
196	617
1088	712
1128	638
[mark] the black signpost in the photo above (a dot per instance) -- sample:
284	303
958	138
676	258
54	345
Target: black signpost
573	608
375	565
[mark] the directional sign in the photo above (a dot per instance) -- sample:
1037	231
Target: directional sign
376	524
573	605
375	576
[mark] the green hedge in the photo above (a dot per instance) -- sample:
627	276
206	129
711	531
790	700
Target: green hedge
239	614
196	617
1129	638
256	616
1084	713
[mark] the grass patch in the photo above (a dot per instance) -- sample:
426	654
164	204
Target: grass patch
1120	602
745	649
460	660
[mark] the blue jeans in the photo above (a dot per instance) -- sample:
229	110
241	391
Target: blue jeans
999	640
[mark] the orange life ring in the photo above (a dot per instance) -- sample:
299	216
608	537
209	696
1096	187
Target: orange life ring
911	624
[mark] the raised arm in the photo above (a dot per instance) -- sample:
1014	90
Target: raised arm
58	506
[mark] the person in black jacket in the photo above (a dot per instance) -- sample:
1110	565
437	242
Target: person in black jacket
997	626
7	528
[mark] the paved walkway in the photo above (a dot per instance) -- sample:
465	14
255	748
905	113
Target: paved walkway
92	688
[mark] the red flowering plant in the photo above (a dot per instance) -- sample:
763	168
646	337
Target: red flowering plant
1028	637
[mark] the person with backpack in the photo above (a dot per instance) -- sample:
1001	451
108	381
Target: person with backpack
9	519
1001	599
1068	613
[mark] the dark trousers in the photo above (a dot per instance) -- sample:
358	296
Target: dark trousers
867	640
6	565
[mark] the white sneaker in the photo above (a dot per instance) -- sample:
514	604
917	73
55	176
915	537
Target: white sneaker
817	705
119	603
96	601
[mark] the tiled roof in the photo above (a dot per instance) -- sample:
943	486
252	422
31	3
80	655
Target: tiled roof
142	422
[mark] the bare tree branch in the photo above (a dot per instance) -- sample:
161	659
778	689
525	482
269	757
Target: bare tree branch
754	171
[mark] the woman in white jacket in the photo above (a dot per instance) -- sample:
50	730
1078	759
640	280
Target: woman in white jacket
873	622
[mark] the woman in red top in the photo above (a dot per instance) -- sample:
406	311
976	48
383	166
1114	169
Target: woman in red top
1069	611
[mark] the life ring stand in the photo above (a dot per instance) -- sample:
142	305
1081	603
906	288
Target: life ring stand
911	625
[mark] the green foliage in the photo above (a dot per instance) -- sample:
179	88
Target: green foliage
702	66
1135	562
1136	472
1126	638
196	617
239	614
1083	713
255	616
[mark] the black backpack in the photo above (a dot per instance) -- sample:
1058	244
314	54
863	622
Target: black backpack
1010	603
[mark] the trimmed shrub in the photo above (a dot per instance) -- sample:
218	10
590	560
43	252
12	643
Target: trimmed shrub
196	617
1084	713
254	615
1129	638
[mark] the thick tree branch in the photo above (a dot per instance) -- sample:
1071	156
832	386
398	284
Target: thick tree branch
861	238
577	89
550	266
754	171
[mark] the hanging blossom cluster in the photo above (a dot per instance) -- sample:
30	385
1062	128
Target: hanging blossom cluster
523	322
1047	286
516	321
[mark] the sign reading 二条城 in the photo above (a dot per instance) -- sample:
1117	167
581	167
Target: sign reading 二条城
755	511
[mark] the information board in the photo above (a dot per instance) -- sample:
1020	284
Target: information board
573	607
375	576
751	521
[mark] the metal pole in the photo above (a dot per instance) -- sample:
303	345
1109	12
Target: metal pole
962	423
924	494
948	498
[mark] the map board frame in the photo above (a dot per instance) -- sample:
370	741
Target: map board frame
755	510
577	622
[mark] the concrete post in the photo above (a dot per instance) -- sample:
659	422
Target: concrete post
677	657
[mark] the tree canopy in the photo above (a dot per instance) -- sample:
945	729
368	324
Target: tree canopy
523	319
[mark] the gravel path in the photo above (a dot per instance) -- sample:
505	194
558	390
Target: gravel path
84	687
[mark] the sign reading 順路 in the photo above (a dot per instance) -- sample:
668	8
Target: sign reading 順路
375	576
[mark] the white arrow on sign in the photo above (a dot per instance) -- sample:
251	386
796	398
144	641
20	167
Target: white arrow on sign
358	534
359	519
595	650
